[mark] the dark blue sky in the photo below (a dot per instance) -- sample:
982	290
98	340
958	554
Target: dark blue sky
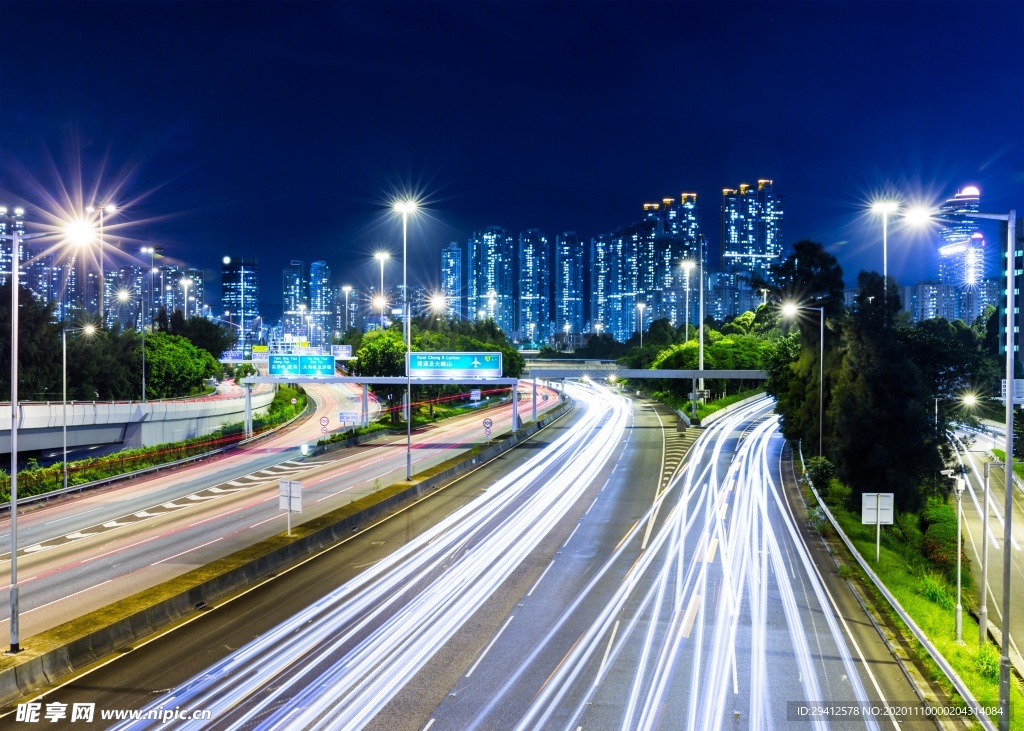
280	130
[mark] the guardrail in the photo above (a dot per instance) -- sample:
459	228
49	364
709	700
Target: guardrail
45	496
940	660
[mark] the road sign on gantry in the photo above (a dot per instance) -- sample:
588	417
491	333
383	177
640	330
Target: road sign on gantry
453	365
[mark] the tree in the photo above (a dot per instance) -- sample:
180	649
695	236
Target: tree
881	432
38	347
383	354
175	367
203	333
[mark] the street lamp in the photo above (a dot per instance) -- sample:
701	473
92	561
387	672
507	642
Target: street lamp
89	330
641	306
405	208
439	303
185	284
790	310
959	553
16	237
922	215
687	268
347	289
885	207
382	256
105	208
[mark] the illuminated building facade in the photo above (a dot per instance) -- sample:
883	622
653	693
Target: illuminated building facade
569	283
534	304
451	279
490	277
751	229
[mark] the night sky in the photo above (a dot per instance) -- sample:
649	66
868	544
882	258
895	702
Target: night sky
282	130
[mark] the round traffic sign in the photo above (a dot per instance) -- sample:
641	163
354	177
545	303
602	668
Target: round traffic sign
324	421
487	432
323	430
294	401
488	423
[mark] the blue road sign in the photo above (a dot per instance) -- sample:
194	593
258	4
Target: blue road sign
454	365
284	365
301	365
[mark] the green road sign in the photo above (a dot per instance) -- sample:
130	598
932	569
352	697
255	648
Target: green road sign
301	365
454	365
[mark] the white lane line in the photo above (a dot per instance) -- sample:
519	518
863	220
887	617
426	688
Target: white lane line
607	650
540	578
429	724
194	548
265	521
490	645
61	520
68	596
591	507
571	535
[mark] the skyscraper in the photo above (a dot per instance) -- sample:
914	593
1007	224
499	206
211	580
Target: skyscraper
962	256
569	279
751	229
240	295
534	317
491	267
320	303
295	297
451	279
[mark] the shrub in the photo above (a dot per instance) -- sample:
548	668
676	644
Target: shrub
934	589
986	661
818	519
821	472
939	544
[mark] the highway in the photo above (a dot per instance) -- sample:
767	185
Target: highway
588	584
972	451
79	555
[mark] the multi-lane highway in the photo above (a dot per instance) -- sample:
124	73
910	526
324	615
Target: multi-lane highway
80	555
582	584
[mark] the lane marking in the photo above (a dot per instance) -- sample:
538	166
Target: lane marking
571	535
607	650
88	588
194	548
540	578
490	645
691	615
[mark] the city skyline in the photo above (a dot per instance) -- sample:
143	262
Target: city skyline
270	112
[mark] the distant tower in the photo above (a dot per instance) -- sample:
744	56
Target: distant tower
240	294
751	229
451	278
534	321
569	278
490	277
295	292
321	301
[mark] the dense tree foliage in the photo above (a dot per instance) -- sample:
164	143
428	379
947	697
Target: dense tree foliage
103	365
202	333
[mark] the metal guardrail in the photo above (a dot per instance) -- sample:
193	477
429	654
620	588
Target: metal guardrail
940	660
41	497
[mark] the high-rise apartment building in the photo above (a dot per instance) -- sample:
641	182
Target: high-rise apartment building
240	295
751	229
451	279
534	317
12	221
569	283
321	301
295	298
490	277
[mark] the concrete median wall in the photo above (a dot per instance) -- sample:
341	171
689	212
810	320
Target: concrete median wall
74	645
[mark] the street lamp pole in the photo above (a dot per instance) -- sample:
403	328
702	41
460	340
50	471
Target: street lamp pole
959	553
983	610
64	399
700	324
789	310
109	208
405	208
16	240
687	268
641	306
346	289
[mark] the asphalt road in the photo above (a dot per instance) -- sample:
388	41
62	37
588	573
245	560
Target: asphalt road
79	555
134	678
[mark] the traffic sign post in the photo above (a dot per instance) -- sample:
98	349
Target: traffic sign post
876	508
289	499
324	421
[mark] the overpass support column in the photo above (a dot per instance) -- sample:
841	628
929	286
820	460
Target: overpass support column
248	410
534	400
515	406
366	405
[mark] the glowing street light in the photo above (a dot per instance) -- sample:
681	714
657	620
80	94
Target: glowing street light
790	310
382	256
185	284
885	208
687	268
111	209
405	208
347	289
438	303
641	307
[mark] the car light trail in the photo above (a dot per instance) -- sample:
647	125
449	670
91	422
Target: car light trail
335	664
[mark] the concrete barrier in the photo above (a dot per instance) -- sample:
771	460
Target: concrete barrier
69	647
